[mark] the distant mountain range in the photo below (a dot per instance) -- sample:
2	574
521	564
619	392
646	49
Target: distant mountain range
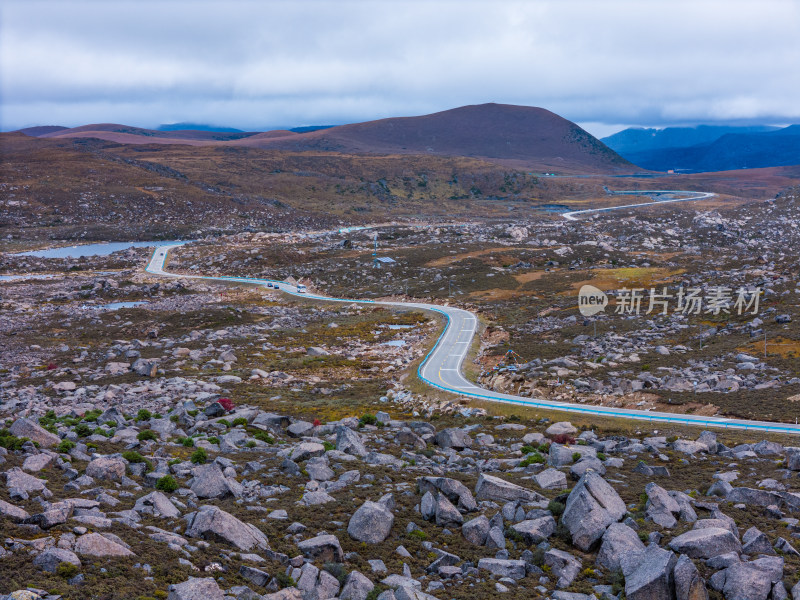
520	136
708	148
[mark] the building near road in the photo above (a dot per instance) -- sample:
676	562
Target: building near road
381	261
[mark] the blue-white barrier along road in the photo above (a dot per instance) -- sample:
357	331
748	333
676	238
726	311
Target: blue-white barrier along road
442	367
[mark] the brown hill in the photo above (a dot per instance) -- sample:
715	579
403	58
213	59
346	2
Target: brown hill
520	135
126	134
516	136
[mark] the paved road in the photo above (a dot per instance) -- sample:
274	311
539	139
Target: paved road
573	215
442	367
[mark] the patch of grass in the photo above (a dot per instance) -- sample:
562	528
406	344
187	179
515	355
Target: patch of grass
65	446
67	570
147	434
262	436
239	421
143	415
532	459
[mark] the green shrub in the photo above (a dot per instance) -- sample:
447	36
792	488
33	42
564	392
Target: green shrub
250	444
91	416
418	534
9	441
144	415
263	436
83	430
367	419
328	446
239	421
174	418
133	457
66	570
174	461
192	413
110	424
576	456
643	535
224	422
213	440
186	442
284	580
199	456
91	445
167	484
103	432
601	456
557	508
531	459
65	446
527	449
147	434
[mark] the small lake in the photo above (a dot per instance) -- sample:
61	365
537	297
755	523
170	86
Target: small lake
396	343
100	249
28	276
116	305
400	326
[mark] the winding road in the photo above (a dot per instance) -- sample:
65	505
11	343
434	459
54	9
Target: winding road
442	366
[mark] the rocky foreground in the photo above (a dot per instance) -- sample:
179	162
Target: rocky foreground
236	502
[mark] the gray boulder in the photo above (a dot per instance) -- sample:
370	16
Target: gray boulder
476	530
706	543
446	514
209	482
54	514
196	589
455	491
688	583
493	488
514	569
563	565
305	450
52	557
323	547
213	523
591	507
13	513
454	438
156	504
95	544
754	541
24	427
356	587
534	531
107	468
580	468
621	549
743	581
653	578
372	522
255	576
661	507
350	442
551	479
20	484
561	428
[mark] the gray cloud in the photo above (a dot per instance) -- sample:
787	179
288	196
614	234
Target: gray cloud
256	64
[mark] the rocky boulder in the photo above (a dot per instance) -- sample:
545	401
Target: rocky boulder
493	488
107	468
95	544
26	428
621	549
706	543
323	547
52	557
591	507
371	523
454	438
212	523
196	589
653	577
350	442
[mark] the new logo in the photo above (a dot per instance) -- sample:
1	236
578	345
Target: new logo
591	300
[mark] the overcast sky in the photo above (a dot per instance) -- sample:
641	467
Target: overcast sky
253	65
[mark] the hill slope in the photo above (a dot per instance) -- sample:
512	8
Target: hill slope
499	132
519	136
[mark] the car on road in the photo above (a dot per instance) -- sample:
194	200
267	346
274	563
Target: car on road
301	289
269	284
